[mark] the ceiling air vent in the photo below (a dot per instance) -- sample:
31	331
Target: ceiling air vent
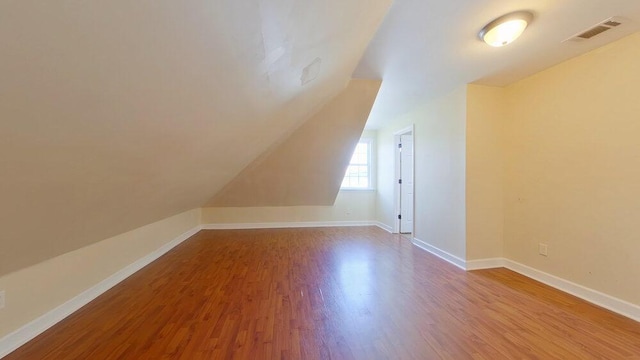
593	32
597	29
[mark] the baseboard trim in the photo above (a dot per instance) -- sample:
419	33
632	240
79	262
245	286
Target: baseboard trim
609	302
21	336
452	259
595	297
480	264
384	227
280	225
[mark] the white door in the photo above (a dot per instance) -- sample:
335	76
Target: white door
406	183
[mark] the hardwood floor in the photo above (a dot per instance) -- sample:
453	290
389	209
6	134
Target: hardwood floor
329	293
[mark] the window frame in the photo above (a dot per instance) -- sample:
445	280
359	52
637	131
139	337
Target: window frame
370	163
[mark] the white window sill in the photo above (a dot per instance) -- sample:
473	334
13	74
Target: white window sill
357	189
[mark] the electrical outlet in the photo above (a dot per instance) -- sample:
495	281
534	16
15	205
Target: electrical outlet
2	298
542	249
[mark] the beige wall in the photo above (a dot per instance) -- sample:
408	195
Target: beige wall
573	170
36	290
348	206
306	168
486	113
439	142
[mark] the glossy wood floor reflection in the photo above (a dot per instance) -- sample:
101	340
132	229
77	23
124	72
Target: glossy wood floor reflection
329	293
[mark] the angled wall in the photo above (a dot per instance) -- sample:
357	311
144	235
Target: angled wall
36	290
116	116
308	166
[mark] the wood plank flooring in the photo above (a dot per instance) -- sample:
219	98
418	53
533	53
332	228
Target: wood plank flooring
329	293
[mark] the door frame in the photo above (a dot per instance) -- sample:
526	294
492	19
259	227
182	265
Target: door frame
396	186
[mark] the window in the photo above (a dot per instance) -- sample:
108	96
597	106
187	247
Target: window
358	175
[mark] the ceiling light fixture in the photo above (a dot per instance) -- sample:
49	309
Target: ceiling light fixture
506	28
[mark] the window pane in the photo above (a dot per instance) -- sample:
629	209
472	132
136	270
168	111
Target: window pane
357	174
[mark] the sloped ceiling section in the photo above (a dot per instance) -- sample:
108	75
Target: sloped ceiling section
115	114
306	168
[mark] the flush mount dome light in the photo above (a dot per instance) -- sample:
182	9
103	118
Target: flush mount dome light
506	28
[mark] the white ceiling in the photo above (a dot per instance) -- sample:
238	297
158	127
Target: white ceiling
425	48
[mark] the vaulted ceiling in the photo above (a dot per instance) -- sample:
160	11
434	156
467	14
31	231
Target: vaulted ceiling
114	114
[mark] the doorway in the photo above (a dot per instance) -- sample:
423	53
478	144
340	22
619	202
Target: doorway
404	159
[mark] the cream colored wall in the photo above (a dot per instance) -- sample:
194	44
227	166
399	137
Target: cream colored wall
573	170
439	142
486	114
36	290
348	206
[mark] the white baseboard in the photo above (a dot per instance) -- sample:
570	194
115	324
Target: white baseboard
14	340
596	297
485	264
440	253
384	227
609	302
278	225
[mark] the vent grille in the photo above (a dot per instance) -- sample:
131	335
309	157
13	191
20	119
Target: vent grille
597	29
593	32
612	23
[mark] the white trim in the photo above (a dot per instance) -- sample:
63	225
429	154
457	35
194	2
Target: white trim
21	336
596	297
277	225
405	130
609	302
485	264
283	225
384	227
450	258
